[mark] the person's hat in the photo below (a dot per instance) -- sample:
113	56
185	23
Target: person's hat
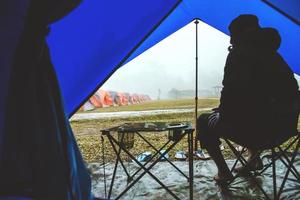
243	23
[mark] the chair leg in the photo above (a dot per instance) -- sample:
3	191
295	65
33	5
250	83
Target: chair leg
244	162
286	161
236	161
282	156
274	175
290	166
238	155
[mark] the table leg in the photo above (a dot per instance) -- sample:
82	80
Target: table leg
146	170
191	164
129	178
158	151
111	139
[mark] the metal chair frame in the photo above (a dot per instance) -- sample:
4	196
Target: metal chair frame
277	153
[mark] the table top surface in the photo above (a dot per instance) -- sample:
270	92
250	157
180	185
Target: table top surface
151	127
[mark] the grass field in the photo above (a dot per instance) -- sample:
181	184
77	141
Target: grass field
88	132
162	104
91	127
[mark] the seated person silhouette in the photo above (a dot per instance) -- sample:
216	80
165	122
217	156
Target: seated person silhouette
259	99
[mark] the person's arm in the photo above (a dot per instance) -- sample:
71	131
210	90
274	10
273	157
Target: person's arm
236	82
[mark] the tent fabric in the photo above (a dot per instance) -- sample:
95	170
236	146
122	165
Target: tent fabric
118	99
99	36
124	98
87	106
121	99
87	46
136	98
127	96
105	98
227	10
39	152
204	186
9	37
15	198
101	99
96	101
113	96
289	7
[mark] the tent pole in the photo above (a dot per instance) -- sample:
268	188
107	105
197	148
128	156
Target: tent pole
196	83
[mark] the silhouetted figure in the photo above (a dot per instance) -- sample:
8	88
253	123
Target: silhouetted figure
40	158
259	100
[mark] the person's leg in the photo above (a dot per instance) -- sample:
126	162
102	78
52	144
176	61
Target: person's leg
223	170
254	162
209	139
252	153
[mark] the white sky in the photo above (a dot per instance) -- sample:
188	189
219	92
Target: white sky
171	64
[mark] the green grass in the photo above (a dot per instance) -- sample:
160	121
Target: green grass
90	127
88	132
88	135
161	104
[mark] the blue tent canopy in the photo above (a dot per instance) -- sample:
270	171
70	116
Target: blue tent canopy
289	8
97	38
100	36
94	40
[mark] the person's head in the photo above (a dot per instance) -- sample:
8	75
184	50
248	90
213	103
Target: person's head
270	39
241	25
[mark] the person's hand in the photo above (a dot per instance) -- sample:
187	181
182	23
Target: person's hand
215	109
213	119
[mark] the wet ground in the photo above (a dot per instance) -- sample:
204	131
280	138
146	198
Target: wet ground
126	114
204	185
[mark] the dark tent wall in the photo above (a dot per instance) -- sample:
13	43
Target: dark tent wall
97	38
11	23
39	155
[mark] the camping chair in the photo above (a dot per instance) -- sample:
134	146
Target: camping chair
278	152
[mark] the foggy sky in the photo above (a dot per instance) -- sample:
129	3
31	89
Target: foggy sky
171	64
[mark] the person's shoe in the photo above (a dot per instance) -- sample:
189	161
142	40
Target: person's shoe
180	155
143	157
223	179
254	165
239	148
222	147
201	155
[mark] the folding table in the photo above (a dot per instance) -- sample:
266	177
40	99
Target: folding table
126	132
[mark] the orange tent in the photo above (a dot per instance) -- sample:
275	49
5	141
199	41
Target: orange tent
124	99
135	98
87	106
128	97
96	101
105	98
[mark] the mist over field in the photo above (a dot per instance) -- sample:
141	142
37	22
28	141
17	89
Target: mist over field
170	64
